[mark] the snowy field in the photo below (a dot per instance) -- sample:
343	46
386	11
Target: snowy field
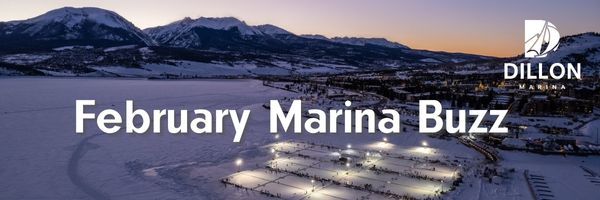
41	156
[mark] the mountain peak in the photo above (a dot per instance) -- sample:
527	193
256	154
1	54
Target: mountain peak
270	29
71	16
225	23
218	23
185	20
76	24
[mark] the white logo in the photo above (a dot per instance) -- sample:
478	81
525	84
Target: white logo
541	37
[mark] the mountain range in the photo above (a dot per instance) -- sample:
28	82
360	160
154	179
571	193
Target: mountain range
94	41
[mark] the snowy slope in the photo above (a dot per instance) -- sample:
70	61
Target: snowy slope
179	33
218	23
272	30
72	17
225	23
372	41
575	48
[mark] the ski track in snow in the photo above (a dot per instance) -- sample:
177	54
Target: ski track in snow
73	170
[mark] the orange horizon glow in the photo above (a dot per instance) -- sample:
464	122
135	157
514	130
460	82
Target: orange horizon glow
467	26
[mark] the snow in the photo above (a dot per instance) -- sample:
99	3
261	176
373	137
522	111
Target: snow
430	60
563	175
117	48
218	23
592	129
179	32
578	44
270	71
145	50
457	60
225	23
181	68
178	28
65	48
272	30
191	69
59	73
72	18
38	157
43	158
514	142
37	146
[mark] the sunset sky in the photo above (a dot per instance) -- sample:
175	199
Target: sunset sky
471	26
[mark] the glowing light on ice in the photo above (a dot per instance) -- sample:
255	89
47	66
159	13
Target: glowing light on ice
380	146
422	150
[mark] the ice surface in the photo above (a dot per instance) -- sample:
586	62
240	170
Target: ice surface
42	157
38	144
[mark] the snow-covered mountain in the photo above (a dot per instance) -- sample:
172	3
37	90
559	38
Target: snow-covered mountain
217	23
583	48
184	33
231	34
272	30
72	26
193	33
181	33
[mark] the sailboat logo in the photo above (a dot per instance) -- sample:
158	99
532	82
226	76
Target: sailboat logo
541	37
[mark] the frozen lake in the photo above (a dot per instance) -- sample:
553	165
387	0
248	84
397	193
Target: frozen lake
43	158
